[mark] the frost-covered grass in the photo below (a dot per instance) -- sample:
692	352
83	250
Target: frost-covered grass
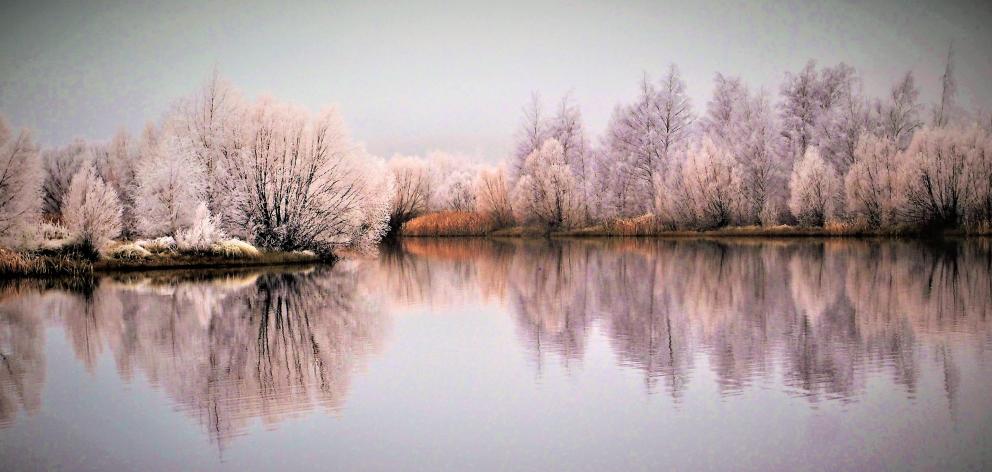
167	247
235	248
59	258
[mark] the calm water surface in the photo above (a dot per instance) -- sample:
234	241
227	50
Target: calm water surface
517	355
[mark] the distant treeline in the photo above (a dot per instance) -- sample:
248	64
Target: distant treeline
217	165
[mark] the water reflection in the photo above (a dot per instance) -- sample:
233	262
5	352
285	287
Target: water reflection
822	315
816	319
226	348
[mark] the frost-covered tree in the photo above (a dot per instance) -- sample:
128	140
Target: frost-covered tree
703	191
979	210
809	98
611	195
412	186
531	135
116	163
744	124
814	188
937	184
648	134
206	122
298	183
567	127
171	185
20	185
546	192
946	108
871	184
451	179
60	165
377	187
564	125
840	127
899	114
492	196
91	211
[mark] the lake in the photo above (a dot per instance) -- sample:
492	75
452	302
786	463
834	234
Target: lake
475	354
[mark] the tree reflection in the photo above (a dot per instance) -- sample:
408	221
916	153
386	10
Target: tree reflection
816	317
22	354
227	350
818	314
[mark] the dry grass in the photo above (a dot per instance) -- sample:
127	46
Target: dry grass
42	264
449	223
472	224
645	225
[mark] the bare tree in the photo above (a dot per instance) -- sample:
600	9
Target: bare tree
413	188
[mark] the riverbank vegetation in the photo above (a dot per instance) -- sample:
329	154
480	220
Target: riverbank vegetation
820	158
222	178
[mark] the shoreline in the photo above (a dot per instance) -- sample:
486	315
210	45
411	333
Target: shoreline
777	232
46	266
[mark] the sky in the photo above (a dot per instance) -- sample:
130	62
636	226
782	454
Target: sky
412	77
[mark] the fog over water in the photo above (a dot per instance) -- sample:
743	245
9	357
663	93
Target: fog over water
448	354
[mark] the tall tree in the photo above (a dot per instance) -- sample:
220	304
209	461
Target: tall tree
20	185
60	165
945	109
744	124
531	135
207	122
899	115
650	133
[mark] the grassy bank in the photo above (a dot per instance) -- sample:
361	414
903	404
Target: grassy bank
69	262
645	226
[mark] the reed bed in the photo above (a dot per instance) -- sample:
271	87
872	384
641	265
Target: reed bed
449	223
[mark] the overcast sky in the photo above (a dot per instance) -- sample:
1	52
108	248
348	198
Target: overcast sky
411	77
